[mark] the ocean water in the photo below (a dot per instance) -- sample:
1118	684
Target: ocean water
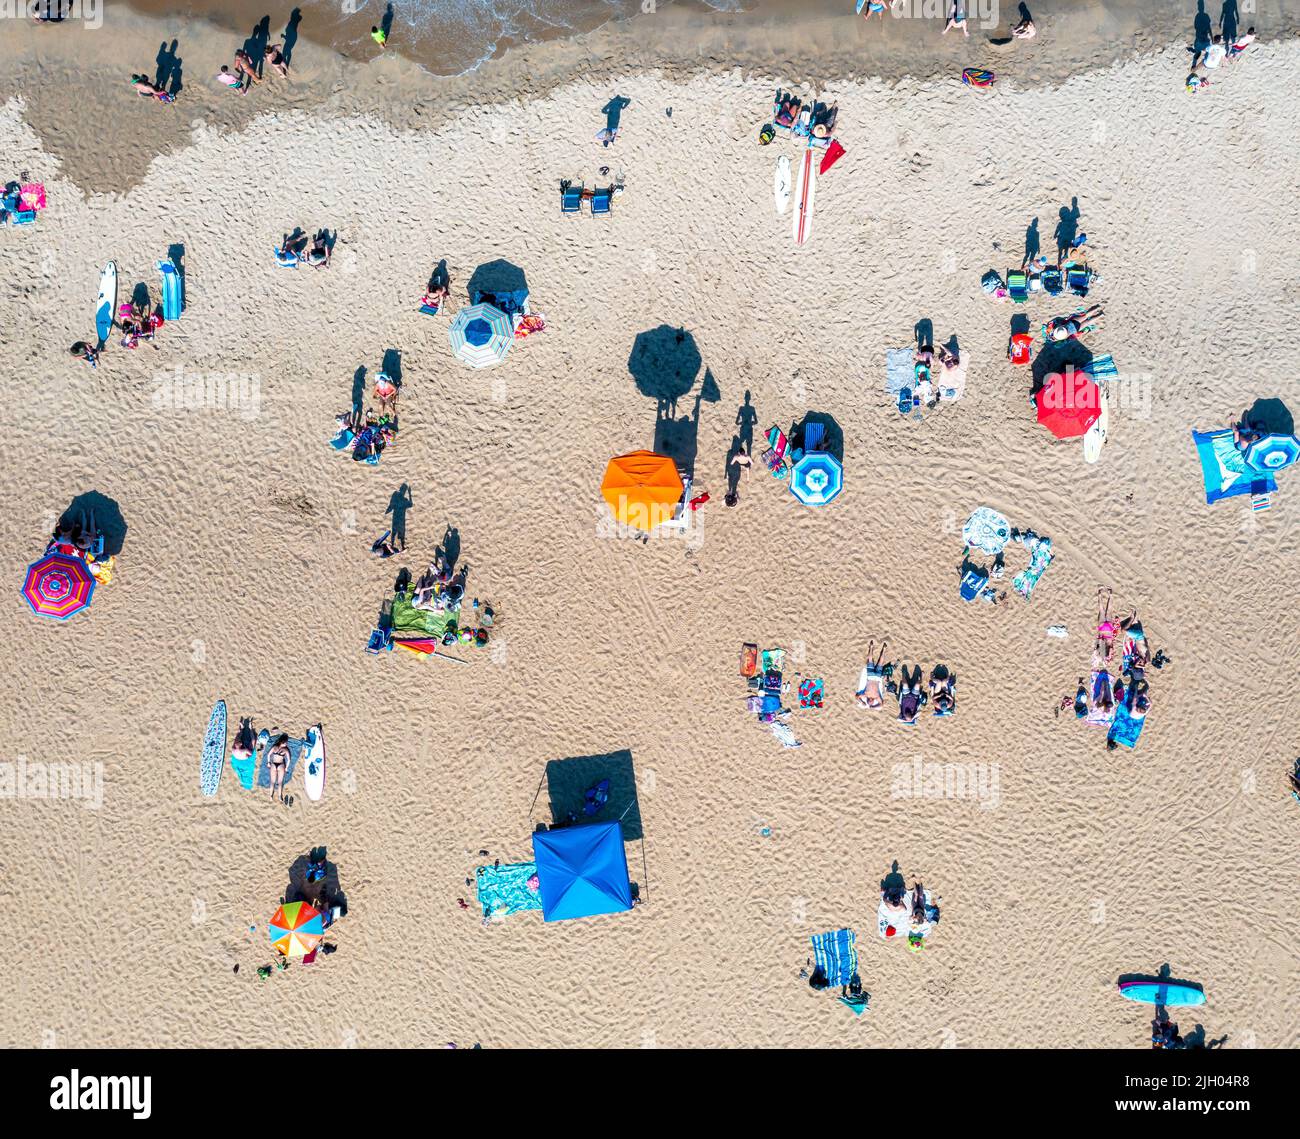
453	36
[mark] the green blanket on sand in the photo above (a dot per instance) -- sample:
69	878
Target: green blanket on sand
408	620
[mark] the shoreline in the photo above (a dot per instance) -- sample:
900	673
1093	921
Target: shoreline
806	50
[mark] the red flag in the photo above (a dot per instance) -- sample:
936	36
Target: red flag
834	152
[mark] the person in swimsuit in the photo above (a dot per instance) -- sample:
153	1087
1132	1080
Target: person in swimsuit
386	393
278	761
275	57
874	8
145	88
1024	30
245	66
319	253
910	696
957	18
84	351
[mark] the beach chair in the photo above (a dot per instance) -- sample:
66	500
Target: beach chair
681	518
814	435
602	202
786	123
571	197
1078	279
1052	280
748	660
1018	285
1021	349
774	457
973	584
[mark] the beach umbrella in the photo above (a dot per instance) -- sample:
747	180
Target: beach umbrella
481	335
817	478
1273	452
1068	404
986	530
296	929
642	489
58	586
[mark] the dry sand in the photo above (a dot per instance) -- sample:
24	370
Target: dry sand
244	573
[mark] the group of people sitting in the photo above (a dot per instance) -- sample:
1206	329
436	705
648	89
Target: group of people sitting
1209	55
814	121
441	588
948	384
911	690
914	911
79	538
297	248
367	435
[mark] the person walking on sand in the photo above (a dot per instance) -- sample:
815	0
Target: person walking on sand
244	65
380	36
957	18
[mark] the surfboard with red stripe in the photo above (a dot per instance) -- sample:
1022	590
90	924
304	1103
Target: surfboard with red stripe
805	189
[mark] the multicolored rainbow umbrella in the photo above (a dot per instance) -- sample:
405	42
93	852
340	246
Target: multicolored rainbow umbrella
296	929
58	586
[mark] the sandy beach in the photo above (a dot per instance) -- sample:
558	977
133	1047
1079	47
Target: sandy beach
244	573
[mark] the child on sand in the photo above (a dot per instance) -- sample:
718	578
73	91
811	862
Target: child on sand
379	36
234	82
957	18
275	57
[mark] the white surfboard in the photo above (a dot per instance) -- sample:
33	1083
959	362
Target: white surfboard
106	304
1095	437
781	183
313	780
805	189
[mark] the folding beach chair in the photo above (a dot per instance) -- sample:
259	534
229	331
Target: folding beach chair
571	197
774	456
1078	279
1018	285
601	201
681	515
1052	280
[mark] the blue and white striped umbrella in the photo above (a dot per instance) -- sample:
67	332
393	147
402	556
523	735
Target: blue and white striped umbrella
817	478
1273	452
481	335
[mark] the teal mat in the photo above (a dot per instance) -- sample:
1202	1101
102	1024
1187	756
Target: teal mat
503	890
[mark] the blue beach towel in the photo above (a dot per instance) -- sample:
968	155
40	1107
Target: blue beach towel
835	955
899	370
503	890
1101	368
1126	728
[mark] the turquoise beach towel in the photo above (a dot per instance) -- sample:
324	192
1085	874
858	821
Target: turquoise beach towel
503	890
835	954
1126	728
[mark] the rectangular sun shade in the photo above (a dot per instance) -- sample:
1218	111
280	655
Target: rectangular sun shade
582	871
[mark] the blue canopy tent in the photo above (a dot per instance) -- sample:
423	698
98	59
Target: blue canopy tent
582	871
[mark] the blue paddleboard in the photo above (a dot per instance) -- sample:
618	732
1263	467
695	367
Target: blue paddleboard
1168	993
106	303
171	290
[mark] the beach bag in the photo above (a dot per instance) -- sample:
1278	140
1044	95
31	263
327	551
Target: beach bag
991	282
977	77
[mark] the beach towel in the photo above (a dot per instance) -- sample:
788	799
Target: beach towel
529	324
1097	718
1127	727
811	693
785	735
504	890
32	195
1224	468
899	370
408	619
836	955
1040	557
1101	368
245	769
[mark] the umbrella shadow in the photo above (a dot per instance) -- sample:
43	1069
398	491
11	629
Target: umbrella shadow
664	364
100	513
569	780
1270	417
832	441
322	894
500	283
1055	357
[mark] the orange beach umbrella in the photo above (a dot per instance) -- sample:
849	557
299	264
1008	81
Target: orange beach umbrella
642	489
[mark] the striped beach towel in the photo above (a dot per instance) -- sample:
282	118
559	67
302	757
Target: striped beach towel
834	953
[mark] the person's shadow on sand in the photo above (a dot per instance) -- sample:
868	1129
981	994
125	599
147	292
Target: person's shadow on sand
398	505
1033	243
1067	229
168	77
291	35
